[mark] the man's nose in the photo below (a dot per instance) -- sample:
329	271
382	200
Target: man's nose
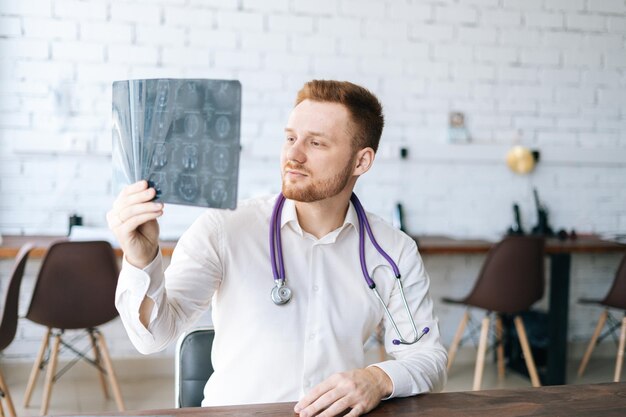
295	151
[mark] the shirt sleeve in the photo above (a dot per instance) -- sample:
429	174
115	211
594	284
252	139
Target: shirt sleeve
180	294
420	367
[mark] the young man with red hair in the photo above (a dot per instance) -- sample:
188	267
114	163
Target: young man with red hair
310	349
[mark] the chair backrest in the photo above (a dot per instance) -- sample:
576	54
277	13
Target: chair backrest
616	296
75	288
512	276
193	366
10	298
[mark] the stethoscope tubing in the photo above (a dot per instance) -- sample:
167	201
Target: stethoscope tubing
278	266
363	221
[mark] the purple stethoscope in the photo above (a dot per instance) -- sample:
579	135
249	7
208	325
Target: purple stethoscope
281	294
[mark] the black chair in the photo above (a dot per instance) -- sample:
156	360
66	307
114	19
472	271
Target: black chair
193	366
75	290
615	299
510	281
8	317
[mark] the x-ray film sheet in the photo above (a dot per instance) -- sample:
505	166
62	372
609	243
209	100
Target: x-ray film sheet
182	135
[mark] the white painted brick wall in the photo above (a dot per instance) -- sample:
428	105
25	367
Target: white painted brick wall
585	22
617	24
565	5
290	24
544	20
79	10
607	6
241	21
27	8
538	72
77	50
135	13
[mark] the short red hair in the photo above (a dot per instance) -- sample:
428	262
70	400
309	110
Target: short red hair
365	110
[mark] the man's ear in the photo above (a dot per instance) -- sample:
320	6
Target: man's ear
364	160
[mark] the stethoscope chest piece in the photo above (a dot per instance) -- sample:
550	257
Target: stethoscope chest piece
281	294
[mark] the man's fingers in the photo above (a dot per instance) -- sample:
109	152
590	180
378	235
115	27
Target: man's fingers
133	188
355	390
323	402
317	391
141	196
356	411
136	221
138	209
330	404
126	199
126	217
338	407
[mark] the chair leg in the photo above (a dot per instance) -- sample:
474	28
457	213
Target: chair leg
528	356
480	358
592	343
457	339
34	373
500	345
4	390
98	359
52	368
109	368
620	351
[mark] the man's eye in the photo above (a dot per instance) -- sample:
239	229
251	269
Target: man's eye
290	139
315	143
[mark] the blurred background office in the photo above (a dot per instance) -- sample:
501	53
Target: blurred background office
549	75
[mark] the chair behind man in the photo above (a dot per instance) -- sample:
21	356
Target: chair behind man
75	290
615	299
510	281
193	366
8	317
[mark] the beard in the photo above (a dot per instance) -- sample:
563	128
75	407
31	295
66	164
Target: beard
318	190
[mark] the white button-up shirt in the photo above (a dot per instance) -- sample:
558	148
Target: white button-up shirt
268	353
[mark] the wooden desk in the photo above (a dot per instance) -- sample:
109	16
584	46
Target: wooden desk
11	245
560	253
606	400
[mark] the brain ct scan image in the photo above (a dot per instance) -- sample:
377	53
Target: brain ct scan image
183	135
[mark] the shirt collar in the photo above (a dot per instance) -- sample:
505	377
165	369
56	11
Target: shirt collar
289	216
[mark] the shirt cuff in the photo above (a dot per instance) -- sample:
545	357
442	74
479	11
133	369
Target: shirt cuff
154	270
139	283
146	281
400	379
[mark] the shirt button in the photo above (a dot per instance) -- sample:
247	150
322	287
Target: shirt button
312	336
316	288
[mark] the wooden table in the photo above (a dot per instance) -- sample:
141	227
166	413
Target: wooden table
11	245
560	253
606	400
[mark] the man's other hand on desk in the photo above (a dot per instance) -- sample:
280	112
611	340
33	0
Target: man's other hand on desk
360	390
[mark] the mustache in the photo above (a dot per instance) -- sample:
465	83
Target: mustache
296	167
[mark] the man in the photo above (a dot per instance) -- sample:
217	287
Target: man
311	348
